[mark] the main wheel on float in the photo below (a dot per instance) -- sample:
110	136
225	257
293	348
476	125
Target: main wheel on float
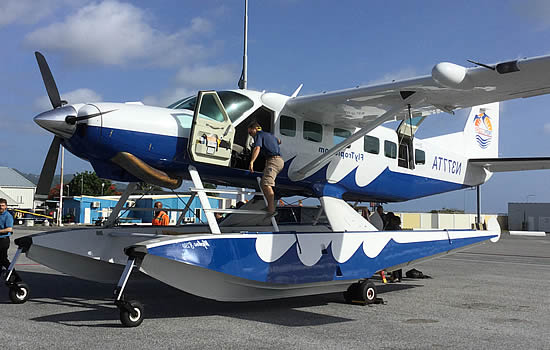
367	292
363	292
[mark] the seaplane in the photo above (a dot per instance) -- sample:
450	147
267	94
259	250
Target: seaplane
337	147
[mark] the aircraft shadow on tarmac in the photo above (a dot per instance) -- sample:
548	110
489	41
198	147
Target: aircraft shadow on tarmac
162	301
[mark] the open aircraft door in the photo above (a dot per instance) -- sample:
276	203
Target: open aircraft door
212	132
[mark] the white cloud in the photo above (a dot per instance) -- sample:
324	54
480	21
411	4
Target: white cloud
82	95
168	97
547	128
208	77
192	79
114	33
402	74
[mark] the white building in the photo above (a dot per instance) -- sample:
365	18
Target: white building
16	189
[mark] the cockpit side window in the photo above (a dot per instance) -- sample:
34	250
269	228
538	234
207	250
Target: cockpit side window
235	104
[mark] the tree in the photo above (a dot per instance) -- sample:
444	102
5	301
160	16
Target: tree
88	183
148	188
54	192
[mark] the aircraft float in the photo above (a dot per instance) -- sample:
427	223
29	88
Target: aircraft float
335	148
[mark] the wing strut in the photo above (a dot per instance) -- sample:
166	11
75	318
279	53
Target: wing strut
368	127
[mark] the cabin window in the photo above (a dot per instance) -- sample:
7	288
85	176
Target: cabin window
419	156
390	149
340	135
287	126
313	131
371	144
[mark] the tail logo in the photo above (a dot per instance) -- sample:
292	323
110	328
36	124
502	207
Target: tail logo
483	130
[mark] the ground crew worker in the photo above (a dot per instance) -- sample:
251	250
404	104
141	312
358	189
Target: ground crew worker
161	218
268	145
6	230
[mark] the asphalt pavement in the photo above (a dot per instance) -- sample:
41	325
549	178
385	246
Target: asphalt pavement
493	296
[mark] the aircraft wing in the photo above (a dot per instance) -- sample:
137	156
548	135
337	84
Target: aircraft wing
497	165
449	87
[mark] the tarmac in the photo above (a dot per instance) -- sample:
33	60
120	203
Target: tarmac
491	296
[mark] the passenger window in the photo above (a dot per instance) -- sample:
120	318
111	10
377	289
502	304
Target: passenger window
371	144
419	156
210	109
313	131
340	135
390	149
287	126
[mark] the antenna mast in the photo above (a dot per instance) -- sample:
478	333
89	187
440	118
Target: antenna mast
244	75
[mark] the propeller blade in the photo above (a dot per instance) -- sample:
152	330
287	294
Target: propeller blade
49	82
48	169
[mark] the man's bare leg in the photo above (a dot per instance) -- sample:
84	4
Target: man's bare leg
270	196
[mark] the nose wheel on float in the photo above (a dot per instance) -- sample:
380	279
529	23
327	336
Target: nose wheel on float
131	311
19	291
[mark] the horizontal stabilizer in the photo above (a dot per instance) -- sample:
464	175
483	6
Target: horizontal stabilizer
497	165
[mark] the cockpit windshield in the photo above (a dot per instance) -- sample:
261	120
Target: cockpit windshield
235	104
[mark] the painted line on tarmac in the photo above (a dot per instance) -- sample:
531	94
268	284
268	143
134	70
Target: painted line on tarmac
496	262
28	264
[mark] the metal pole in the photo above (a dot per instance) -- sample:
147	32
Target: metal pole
478	207
245	55
59	217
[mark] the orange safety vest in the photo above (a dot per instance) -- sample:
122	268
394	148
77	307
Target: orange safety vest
161	219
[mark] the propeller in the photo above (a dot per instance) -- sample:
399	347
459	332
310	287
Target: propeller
48	169
49	82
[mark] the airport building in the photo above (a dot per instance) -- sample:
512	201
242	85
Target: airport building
529	216
16	189
90	209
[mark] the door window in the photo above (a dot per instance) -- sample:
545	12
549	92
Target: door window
210	109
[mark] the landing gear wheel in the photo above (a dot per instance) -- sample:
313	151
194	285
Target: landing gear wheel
367	292
132	314
19	293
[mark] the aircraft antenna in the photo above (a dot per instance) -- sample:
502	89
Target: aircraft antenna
244	75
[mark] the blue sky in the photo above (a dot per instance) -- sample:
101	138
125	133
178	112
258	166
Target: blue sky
160	51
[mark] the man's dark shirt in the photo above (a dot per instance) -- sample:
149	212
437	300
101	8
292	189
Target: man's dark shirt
269	145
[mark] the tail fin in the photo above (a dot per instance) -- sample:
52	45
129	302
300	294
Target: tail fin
480	134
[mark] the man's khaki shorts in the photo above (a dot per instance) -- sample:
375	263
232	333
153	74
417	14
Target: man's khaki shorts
273	166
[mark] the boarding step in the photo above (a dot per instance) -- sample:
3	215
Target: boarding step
273	219
237	211
225	191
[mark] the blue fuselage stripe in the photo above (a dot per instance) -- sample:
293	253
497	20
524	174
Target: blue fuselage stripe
169	153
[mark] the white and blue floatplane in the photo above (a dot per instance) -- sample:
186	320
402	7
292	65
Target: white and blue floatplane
336	148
